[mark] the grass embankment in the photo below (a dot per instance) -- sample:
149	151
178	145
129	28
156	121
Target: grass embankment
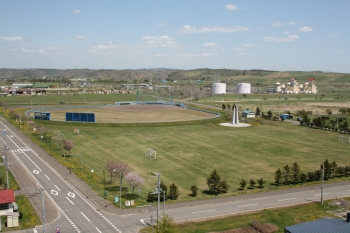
281	217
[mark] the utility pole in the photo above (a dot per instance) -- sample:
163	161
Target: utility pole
322	184
157	191
7	168
42	190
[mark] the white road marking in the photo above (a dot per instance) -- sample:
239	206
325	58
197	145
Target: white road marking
58	188
70	200
323	194
98	230
36	172
85	216
47	177
71	194
288	199
202	211
54	192
247	205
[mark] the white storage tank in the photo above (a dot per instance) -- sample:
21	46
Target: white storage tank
243	88
219	88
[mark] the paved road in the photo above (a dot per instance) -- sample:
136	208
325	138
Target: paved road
76	208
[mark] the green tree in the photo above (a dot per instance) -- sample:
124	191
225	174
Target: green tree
215	184
252	183
286	174
242	184
333	168
261	182
150	197
164	188
327	169
223	106
194	190
269	114
295	173
165	224
244	96
257	111
302	177
278	177
173	191
229	107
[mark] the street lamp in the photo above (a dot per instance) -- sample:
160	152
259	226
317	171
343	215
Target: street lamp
104	182
120	188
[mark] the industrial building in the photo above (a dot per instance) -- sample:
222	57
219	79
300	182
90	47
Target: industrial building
323	225
243	88
293	87
218	88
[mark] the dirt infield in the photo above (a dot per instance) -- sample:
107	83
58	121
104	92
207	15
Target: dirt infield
135	113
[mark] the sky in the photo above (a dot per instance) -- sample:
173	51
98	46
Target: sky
281	35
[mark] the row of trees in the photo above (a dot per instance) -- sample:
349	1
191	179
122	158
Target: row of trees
292	175
252	183
173	193
123	171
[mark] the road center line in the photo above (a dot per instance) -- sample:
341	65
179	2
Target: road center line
98	230
288	199
58	188
70	200
85	216
323	194
247	205
47	177
202	211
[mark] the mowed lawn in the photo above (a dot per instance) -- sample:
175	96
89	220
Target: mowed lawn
186	155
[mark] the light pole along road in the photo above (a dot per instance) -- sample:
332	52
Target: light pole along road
81	214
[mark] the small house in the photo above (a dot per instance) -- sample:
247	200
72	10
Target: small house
8	207
322	225
248	114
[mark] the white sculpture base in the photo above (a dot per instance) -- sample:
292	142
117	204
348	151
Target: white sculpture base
235	125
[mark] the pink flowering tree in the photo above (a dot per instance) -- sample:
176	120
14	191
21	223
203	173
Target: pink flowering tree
134	180
68	145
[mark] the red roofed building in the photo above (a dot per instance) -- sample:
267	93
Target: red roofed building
8	207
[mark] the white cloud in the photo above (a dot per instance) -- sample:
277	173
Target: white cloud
231	7
79	37
162	24
41	51
161	55
194	55
27	50
238	49
287	32
210	44
219	29
305	29
281	39
280	24
249	45
76	11
277	24
159	41
15	38
103	47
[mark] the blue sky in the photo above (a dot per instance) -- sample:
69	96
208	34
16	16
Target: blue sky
279	35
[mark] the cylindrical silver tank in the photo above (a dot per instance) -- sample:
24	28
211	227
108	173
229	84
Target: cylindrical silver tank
243	88
219	88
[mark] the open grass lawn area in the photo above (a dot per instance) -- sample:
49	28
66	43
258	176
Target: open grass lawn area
186	155
280	217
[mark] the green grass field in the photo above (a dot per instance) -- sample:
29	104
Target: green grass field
187	154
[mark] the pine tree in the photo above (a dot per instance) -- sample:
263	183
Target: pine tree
333	168
194	190
214	182
223	186
261	182
173	191
242	184
327	169
295	173
252	183
278	177
286	175
164	189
